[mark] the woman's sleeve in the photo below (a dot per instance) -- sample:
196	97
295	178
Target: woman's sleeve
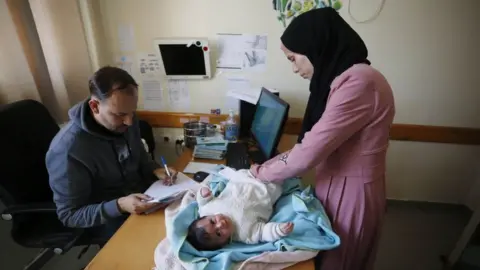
349	109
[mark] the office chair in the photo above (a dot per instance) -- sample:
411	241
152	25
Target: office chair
26	131
146	133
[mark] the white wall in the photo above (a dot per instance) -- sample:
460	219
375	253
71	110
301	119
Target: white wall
16	80
62	38
427	49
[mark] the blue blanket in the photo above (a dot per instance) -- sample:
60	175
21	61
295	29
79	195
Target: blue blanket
312	229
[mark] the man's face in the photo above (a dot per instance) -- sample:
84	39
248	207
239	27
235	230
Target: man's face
116	112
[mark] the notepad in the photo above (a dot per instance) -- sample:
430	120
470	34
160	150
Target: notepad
165	194
194	167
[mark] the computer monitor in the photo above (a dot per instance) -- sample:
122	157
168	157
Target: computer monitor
267	126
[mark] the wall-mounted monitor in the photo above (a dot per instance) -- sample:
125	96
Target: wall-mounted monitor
184	58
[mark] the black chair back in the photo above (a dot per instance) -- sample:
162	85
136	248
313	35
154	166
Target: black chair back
146	132
26	130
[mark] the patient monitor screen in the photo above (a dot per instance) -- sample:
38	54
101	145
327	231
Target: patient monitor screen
179	59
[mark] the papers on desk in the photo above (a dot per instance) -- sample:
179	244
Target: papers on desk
250	95
210	148
194	167
166	194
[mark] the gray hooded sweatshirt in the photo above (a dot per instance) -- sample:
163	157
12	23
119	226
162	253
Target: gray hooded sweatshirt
90	168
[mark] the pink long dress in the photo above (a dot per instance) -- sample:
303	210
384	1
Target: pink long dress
348	147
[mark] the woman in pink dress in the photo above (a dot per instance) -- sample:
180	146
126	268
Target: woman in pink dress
345	133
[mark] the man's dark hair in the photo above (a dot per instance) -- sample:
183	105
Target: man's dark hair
198	237
108	79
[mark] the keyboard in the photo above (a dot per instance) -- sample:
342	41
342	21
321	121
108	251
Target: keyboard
237	156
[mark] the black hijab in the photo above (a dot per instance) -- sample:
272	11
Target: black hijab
332	46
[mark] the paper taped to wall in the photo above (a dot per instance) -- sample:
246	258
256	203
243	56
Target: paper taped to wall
242	51
152	95
255	53
230	51
238	82
124	62
179	96
148	65
126	38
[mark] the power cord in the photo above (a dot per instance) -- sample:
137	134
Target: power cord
373	17
179	144
251	143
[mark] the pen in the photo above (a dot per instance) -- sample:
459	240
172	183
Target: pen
165	166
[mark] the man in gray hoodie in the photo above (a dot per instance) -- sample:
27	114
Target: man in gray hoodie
97	164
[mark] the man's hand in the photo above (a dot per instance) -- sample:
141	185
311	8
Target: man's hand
162	175
135	203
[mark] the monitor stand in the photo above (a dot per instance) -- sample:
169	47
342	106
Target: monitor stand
256	156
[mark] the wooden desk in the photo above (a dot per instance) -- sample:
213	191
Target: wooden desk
132	246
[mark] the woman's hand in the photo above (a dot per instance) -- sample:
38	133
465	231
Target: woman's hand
162	175
251	171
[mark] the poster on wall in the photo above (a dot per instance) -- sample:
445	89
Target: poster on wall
126	38
289	9
178	95
242	52
152	95
148	65
124	62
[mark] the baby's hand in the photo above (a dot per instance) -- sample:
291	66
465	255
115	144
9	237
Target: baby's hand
286	228
205	192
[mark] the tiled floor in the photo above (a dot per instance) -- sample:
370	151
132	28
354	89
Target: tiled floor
414	237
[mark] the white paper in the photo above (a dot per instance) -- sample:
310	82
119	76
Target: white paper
249	95
179	96
230	51
148	65
158	191
125	63
232	103
255	53
194	167
204	119
238	83
126	38
242	51
152	95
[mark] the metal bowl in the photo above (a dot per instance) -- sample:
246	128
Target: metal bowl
192	130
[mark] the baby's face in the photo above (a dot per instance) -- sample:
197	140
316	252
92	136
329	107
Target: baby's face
218	227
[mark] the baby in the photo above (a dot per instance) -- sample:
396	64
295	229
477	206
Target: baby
240	213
